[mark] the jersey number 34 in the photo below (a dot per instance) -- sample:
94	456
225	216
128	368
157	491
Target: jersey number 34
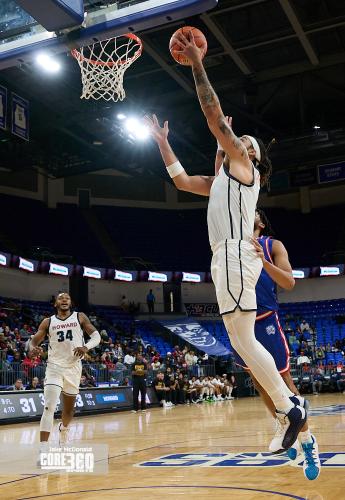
63	337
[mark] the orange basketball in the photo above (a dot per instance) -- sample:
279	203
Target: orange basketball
174	47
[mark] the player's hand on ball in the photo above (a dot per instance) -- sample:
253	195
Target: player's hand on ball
189	48
160	134
259	249
80	352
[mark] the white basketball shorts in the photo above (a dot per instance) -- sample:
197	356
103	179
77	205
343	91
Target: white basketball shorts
235	270
66	378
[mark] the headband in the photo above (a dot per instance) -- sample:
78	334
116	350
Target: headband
256	147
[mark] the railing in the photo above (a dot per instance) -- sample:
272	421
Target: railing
98	373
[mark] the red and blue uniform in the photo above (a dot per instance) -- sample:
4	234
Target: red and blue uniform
268	330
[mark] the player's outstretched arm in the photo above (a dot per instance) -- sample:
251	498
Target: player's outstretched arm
197	184
280	270
37	339
91	331
219	159
210	105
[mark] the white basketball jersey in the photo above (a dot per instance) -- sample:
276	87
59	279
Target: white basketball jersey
64	336
231	207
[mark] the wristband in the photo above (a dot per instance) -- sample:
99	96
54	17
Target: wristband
175	169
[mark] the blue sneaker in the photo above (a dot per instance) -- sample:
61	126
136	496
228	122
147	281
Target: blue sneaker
293	451
290	425
311	464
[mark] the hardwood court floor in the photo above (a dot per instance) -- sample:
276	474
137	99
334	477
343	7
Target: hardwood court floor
238	427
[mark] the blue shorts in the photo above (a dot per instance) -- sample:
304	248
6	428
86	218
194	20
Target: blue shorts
269	333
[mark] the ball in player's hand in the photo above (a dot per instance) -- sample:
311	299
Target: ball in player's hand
174	46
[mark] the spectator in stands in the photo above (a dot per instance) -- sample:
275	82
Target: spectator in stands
304	326
18	385
303	359
139	372
129	359
124	303
150	301
182	387
320	353
189	359
341	381
317	379
156	364
173	386
328	347
117	350
34	384
162	391
126	382
169	361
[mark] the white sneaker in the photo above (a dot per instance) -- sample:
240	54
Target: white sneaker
63	434
275	444
231	397
288	428
311	464
164	403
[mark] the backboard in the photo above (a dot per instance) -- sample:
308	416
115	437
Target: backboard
21	37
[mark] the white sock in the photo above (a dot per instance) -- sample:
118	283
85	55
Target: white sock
240	327
306	436
63	428
44	446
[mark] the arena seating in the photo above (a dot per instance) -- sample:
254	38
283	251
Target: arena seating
324	315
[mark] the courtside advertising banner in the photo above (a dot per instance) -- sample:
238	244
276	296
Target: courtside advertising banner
3	107
3	260
20	117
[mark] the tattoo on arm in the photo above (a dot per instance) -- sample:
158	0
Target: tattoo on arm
206	94
227	131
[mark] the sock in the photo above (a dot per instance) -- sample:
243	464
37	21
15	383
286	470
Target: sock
63	428
306	436
44	446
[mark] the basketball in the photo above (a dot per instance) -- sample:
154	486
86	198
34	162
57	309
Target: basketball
174	47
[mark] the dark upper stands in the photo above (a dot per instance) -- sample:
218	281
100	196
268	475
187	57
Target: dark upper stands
169	239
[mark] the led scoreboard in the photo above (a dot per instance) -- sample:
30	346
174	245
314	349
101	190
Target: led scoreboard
28	405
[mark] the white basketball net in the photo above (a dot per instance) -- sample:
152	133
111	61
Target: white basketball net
103	65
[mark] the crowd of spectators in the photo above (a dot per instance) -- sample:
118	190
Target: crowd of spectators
303	343
109	362
175	387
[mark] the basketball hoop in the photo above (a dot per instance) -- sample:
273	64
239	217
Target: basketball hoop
103	65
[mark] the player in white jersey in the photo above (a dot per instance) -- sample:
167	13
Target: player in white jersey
235	267
65	331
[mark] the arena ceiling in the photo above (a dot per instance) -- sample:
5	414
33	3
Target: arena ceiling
278	67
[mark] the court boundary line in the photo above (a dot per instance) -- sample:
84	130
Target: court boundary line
236	488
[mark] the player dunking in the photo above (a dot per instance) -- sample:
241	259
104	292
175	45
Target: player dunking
268	331
65	331
235	265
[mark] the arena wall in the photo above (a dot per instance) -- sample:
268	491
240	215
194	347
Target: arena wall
22	285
